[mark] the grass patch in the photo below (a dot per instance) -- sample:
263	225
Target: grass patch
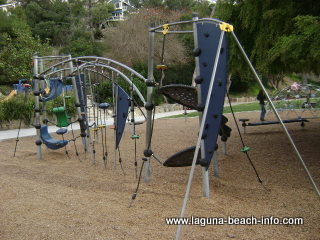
245	107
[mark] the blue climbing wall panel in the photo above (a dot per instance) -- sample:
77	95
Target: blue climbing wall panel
208	38
55	86
122	105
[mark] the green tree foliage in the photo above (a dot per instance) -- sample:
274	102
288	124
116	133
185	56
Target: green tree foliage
179	4
136	3
203	8
277	35
71	26
17	47
51	21
81	44
301	48
101	12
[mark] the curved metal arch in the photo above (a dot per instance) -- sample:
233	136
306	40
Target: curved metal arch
128	80
87	65
210	20
96	59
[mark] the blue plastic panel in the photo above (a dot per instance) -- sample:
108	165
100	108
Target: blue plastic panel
55	85
49	141
208	38
122	107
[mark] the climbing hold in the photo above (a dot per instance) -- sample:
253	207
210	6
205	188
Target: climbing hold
245	149
135	136
197	52
198	79
147	152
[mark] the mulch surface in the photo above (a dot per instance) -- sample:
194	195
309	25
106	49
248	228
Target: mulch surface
70	198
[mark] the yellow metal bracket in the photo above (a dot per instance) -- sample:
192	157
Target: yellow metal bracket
161	67
165	29
226	27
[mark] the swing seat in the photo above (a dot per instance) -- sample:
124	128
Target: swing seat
104	106
62	117
182	94
182	159
49	141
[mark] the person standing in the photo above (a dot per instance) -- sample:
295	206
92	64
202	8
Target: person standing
261	97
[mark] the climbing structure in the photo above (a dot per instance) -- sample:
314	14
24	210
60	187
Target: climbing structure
211	78
87	74
297	100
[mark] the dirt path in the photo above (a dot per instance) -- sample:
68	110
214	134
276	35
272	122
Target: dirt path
61	198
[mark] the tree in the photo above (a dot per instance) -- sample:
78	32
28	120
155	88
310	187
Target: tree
128	42
152	3
101	12
17	46
136	3
50	21
179	4
203	8
264	28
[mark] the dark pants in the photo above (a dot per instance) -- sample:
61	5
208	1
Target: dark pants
263	112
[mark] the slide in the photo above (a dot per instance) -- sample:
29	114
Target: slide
11	94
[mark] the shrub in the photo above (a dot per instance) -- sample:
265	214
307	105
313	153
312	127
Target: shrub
19	107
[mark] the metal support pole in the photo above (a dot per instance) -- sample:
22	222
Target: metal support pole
277	114
215	164
37	120
224	144
42	86
115	100
82	105
147	165
205	172
77	101
70	64
186	196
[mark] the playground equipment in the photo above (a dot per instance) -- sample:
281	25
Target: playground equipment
49	141
10	95
86	74
210	55
22	85
207	97
303	100
299	99
252	124
207	42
